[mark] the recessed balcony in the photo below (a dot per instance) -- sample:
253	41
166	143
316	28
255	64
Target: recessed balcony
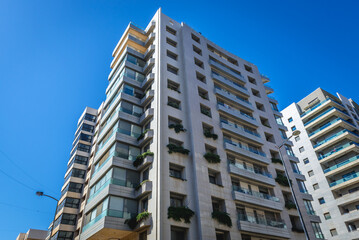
259	224
233	98
345	182
335	138
231	84
227	70
244	151
344	165
237	114
339	151
268	89
251	173
317	107
241	131
257	198
329	126
327	114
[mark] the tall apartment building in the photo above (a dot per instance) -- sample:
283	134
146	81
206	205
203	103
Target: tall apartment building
328	149
183	147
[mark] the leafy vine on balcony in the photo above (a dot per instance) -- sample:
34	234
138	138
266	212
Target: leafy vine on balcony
212	157
177	127
174	148
140	158
222	217
178	213
208	134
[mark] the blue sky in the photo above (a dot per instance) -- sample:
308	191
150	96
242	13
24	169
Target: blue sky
55	57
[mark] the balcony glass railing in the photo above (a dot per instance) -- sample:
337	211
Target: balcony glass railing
240	128
118	130
327	125
224	67
232	95
350	177
352	159
318	105
250	149
110	213
224	79
337	149
253	170
330	138
235	110
114	181
262	220
322	114
255	194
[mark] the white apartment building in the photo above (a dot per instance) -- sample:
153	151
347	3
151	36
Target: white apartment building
184	148
328	151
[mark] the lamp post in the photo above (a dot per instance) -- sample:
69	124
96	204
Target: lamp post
295	133
42	194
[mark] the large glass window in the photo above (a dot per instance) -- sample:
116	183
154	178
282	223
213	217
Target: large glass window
131	109
90	117
309	207
88	128
317	231
83	147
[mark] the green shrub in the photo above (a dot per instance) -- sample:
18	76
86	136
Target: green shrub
143	134
222	217
212	157
290	205
277	160
282	180
142	216
140	158
178	213
208	134
177	127
174	148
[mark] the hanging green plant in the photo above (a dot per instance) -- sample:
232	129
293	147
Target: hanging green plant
179	213
222	217
177	127
174	148
212	157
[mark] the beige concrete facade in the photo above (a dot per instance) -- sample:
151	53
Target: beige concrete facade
32	234
328	151
209	131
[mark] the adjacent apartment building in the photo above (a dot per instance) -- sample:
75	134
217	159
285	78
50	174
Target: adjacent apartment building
184	148
328	150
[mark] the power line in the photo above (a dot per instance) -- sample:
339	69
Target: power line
26	209
23	171
19	182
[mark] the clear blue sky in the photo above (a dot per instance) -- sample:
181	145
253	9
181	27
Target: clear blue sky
55	57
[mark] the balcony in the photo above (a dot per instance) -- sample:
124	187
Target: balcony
144	189
268	89
251	173
149	51
351	162
338	122
353	178
330	112
348	198
247	152
148	97
339	151
146	115
227	70
248	222
235	99
150	39
265	79
234	128
237	114
149	65
327	102
337	137
230	83
257	198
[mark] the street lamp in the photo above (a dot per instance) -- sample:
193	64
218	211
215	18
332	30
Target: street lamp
41	194
295	133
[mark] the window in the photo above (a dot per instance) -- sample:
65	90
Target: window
176	200
252	80
72	202
327	216
297	138
90	117
289	150
197	50
309	207
203	93
256	93
171	42
260	106
321	201
305	160
290	120
317	231
274	107
176	171
301	149
87	128
333	232
265	122
283	134
172	55
172	69
83	147
63	235
315	186
195	38
69	219
248	68
200	77
278	120
199	63
171	30
79	173
206	111
178	233
174	103
293	128
214	177
173	86
310	173
269	137
144	204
